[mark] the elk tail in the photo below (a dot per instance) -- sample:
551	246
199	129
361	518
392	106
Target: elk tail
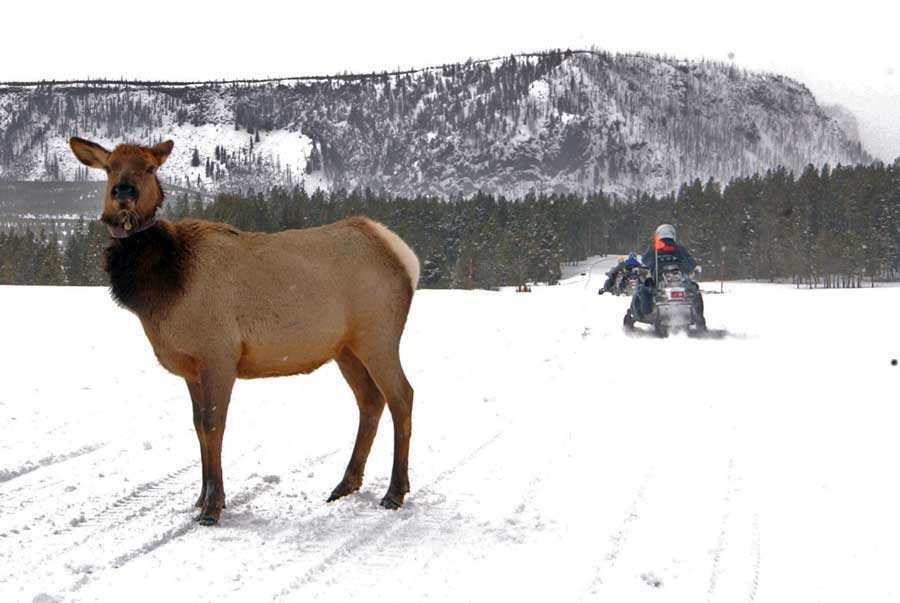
401	251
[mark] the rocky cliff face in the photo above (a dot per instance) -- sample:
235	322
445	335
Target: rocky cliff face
558	121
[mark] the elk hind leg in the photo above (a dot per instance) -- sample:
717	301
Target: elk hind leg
387	373
371	404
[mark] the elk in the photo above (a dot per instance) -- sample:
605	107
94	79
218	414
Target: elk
218	304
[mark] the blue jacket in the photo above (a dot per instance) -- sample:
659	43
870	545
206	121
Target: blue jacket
670	253
630	262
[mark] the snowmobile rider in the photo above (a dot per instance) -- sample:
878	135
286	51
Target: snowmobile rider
625	264
664	252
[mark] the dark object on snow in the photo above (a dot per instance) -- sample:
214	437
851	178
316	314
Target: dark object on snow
676	304
668	299
617	279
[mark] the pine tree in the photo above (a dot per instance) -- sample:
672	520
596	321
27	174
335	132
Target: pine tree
74	254
51	269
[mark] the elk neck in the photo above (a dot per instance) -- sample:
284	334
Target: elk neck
149	269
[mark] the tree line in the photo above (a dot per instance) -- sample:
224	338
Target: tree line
824	228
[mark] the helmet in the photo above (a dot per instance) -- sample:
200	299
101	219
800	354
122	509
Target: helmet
665	231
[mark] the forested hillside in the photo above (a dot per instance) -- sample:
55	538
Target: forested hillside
828	227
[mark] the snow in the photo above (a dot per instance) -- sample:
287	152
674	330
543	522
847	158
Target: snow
552	459
290	149
539	90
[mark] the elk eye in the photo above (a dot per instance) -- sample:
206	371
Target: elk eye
106	169
150	170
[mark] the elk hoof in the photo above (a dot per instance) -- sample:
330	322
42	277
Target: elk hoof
206	519
392	501
209	515
342	490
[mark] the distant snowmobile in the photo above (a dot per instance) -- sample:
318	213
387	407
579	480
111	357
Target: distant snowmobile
674	305
630	282
624	277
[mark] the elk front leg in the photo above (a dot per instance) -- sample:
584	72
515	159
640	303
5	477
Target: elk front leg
197	401
216	388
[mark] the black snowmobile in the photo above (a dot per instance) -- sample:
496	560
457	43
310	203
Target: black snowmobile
674	305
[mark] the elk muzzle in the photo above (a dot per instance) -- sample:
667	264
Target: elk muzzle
124	191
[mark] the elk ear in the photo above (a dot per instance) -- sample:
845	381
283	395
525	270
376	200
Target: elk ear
89	153
161	151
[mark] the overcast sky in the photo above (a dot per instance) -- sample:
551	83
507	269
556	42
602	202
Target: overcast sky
847	53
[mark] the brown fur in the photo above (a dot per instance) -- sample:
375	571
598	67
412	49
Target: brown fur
219	304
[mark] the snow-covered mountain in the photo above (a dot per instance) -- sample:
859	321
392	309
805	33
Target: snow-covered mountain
573	121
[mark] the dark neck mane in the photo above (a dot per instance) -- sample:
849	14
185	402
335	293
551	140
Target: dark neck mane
148	270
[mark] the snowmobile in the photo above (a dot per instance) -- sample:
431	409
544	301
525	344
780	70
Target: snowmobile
674	302
627	281
616	288
631	281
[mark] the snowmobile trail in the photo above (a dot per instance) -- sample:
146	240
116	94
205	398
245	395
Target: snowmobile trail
618	538
447	523
236	505
155	514
7	475
390	531
712	521
98	519
721	543
735	569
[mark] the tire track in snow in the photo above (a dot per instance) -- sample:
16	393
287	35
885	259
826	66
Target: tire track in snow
121	505
757	560
721	542
350	549
141	501
621	535
186	525
235	502
7	475
745	562
422	526
626	525
412	531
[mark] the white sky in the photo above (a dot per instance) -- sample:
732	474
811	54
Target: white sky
847	53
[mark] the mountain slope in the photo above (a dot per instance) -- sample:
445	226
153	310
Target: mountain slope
562	121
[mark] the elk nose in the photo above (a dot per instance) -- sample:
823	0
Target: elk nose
124	192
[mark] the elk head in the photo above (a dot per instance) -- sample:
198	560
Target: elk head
133	193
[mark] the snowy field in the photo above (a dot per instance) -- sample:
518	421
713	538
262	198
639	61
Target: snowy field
553	458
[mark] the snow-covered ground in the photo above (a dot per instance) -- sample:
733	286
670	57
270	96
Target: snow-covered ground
553	458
